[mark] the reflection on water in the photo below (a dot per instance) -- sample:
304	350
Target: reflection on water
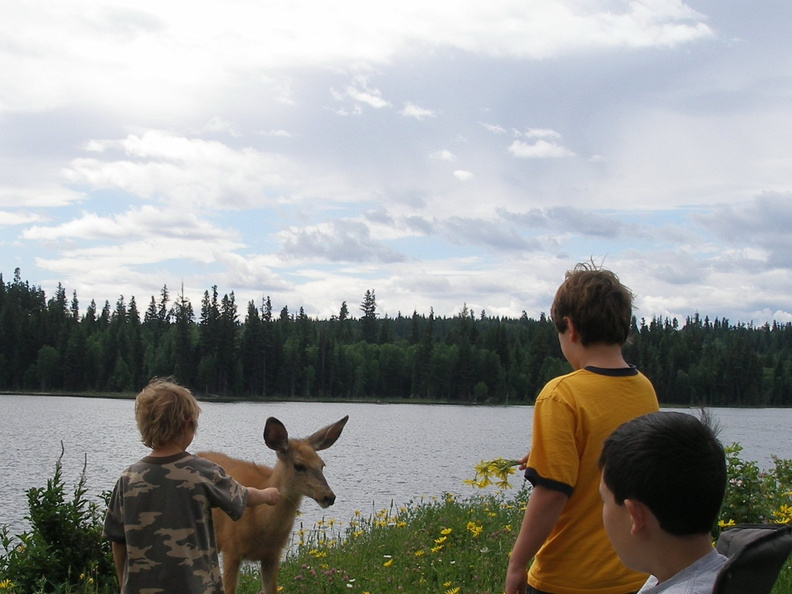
387	453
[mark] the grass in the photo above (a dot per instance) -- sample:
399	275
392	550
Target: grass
442	544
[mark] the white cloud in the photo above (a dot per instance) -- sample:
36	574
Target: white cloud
145	222
463	175
278	133
541	133
443	155
494	128
11	219
541	149
414	111
39	196
338	241
360	93
188	171
78	51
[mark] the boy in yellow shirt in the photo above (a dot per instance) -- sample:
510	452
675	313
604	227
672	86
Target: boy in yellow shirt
562	527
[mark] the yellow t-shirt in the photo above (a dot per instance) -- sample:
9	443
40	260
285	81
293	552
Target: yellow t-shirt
573	415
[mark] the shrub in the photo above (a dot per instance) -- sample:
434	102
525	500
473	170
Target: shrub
754	495
63	549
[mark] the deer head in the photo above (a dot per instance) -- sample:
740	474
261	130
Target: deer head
300	470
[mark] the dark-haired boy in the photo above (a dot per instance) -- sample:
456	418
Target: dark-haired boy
663	480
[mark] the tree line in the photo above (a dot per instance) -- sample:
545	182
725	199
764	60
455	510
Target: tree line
47	344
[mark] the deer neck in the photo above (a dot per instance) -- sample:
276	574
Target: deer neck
291	498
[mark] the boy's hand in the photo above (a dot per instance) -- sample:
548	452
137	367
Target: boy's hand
271	495
268	496
523	461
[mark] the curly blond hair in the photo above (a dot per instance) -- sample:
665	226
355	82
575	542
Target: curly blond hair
162	410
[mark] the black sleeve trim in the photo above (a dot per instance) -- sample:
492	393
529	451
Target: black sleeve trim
538	481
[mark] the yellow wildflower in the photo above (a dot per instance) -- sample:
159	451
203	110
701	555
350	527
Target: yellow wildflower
492	472
783	515
474	529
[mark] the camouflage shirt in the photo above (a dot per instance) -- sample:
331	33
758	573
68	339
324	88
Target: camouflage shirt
160	509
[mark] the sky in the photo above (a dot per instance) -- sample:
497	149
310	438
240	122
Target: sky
446	155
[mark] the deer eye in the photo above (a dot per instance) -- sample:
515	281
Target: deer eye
299	467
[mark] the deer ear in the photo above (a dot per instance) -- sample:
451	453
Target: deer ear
275	435
327	436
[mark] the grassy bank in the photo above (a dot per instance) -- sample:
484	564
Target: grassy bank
439	545
445	546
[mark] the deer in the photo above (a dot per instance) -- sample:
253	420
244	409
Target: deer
263	531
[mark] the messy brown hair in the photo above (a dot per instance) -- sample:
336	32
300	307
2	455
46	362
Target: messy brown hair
596	302
162	409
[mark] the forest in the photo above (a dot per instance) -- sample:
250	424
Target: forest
47	344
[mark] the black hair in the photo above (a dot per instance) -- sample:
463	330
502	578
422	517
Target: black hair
673	463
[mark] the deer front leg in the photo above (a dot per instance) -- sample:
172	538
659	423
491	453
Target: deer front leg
230	572
269	575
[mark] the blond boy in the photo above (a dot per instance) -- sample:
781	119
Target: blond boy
159	519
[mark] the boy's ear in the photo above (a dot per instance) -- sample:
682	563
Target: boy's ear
639	515
571	328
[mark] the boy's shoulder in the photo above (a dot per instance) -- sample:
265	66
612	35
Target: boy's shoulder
182	466
591	373
697	578
597	381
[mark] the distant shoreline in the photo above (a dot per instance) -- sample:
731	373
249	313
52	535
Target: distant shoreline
217	398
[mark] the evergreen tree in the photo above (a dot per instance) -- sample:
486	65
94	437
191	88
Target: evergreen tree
368	323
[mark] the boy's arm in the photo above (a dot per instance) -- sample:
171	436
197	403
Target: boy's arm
270	496
119	558
541	513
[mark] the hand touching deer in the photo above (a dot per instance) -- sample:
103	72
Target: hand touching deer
263	531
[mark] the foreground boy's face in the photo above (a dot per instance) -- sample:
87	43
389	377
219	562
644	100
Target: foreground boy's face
618	525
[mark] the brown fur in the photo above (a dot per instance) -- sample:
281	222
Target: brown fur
262	531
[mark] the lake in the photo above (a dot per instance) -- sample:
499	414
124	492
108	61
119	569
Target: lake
388	453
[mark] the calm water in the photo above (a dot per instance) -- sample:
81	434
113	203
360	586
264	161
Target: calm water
387	453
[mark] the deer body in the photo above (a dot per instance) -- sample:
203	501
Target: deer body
262	531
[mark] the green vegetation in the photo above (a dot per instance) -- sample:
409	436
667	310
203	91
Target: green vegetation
444	545
49	345
63	551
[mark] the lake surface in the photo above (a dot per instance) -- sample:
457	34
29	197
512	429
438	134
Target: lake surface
388	453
